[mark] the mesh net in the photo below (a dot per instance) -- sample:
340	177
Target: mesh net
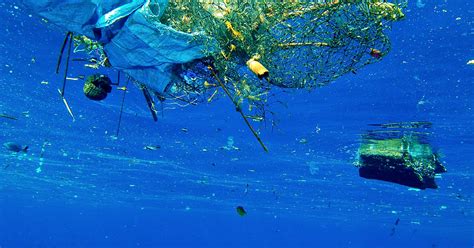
289	44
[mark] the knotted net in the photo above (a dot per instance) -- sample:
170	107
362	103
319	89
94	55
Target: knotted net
296	44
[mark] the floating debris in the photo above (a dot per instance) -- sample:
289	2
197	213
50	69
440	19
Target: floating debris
152	147
14	147
401	156
375	53
41	158
241	49
8	117
470	62
392	232
241	211
230	144
303	141
97	87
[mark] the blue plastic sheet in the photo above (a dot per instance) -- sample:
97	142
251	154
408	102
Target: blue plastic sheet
133	38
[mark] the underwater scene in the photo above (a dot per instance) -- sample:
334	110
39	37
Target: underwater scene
225	123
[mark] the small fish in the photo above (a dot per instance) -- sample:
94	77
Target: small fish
375	53
241	211
151	147
14	147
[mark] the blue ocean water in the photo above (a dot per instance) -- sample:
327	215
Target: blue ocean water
91	190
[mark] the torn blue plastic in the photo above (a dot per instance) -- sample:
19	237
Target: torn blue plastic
133	38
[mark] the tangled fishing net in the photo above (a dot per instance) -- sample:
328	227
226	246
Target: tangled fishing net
302	44
193	51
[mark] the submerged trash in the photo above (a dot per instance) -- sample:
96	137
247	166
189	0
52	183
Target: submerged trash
241	211
8	117
14	147
400	155
375	53
230	144
97	87
194	51
152	147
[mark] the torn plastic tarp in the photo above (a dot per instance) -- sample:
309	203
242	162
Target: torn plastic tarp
133	38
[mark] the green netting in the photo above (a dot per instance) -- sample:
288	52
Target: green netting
288	44
303	45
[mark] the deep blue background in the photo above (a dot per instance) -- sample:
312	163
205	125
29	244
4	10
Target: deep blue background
95	191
